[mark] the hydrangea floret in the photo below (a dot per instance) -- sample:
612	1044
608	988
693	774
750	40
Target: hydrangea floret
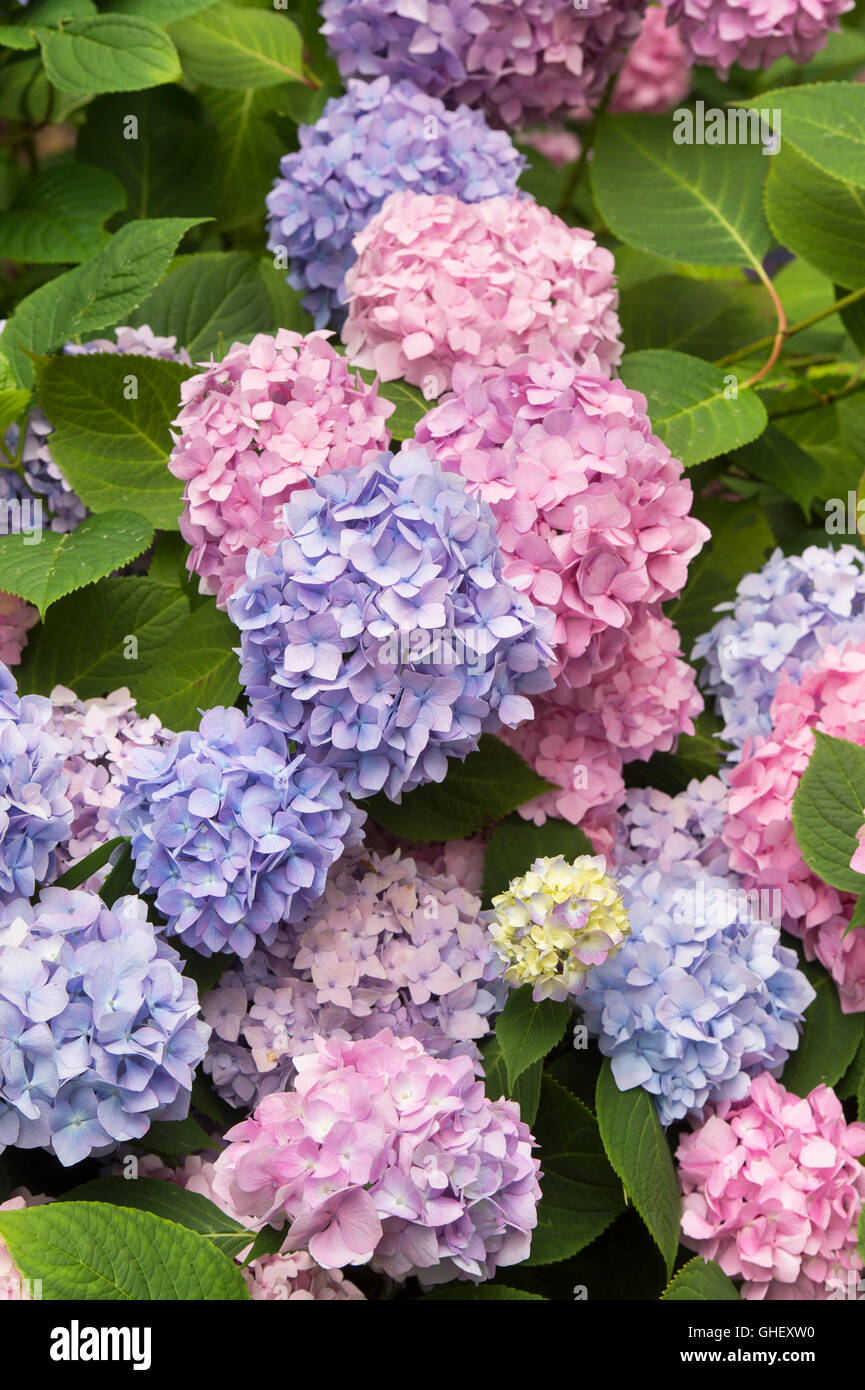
35	810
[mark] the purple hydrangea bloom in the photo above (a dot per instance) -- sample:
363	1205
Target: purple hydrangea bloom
701	996
231	832
381	634
99	1029
35	811
783	617
390	945
376	140
752	33
671	831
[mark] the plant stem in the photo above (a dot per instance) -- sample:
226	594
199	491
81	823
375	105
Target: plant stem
799	327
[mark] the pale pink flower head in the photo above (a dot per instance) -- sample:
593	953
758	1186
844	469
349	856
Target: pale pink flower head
17	617
753	33
439	284
560	147
772	1190
269	418
657	73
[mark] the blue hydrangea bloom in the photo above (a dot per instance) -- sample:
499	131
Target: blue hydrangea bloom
99	1030
700	997
35	812
379	138
684	829
232	833
61	508
782	618
381	634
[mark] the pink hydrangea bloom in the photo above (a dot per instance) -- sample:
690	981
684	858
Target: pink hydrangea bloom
13	1288
657	74
772	1188
272	415
439	283
16	619
560	147
759	831
753	33
383	1155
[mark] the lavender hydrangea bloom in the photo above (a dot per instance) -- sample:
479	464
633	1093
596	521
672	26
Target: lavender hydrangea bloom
99	1029
381	633
390	945
672	831
35	812
377	139
230	831
701	995
781	620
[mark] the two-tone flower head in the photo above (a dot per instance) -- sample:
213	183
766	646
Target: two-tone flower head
772	1188
383	1155
752	34
829	696
390	945
521	60
379	137
382	634
556	923
701	996
231	831
440	283
35	810
99	1029
656	75
782	619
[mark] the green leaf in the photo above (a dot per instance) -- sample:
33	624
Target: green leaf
160	11
829	1038
829	808
825	122
268	1242
173	1203
59	215
119	883
527	1030
12	406
99	294
176	1138
227	46
779	460
858	918
696	409
84	642
636	1147
198	669
78	872
675	200
526	1090
61	563
480	1293
516	843
109	53
248	150
491	782
741	537
706	318
820	218
701	1281
111	416
89	1251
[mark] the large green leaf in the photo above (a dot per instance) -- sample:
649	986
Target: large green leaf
826	123
697	409
638	1150
160	11
248	150
111	416
108	53
171	1202
228	46
63	562
59	216
580	1193
528	1029
779	460
676	201
701	1281
92	1251
829	1040
516	843
490	783
829	808
706	318
198	669
820	218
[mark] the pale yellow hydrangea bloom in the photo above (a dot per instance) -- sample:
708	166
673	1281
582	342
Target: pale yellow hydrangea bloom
556	922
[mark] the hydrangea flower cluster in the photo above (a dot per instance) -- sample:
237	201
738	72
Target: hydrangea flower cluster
522	60
829	696
382	634
35	811
773	1186
439	283
700	997
100	1029
669	831
384	1155
17	617
390	945
718	33
656	75
232	833
268	419
376	139
555	923
782	619
13	1286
